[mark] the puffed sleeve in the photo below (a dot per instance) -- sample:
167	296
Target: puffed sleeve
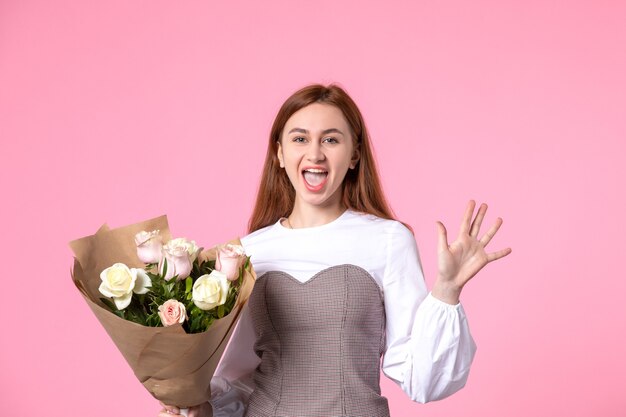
232	382
429	348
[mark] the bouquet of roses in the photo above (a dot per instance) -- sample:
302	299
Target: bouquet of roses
176	285
168	305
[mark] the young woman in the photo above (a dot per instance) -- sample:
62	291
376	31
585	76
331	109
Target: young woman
340	283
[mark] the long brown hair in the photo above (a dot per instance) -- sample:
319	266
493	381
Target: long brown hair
361	189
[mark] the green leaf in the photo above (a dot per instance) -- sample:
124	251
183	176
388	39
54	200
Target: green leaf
109	304
188	284
164	267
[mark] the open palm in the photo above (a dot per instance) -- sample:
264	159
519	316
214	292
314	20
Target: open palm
462	259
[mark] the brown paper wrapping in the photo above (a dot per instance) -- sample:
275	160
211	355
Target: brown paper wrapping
175	367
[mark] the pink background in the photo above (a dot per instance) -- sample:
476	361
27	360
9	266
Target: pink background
118	111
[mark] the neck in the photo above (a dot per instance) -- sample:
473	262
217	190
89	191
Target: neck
306	215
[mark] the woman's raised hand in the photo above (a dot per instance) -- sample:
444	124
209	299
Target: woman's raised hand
461	260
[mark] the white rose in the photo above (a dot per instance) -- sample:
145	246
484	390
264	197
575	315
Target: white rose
180	254
210	290
120	282
149	246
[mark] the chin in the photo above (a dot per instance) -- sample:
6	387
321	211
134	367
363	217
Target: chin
320	200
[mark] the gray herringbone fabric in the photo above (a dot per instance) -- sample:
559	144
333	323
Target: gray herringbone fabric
320	344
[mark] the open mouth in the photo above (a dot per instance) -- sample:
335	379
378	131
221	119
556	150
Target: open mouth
314	178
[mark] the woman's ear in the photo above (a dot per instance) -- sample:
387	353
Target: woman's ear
356	155
279	154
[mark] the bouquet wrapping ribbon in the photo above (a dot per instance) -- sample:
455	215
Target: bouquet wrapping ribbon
175	367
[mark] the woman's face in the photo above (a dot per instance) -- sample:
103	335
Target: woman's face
316	150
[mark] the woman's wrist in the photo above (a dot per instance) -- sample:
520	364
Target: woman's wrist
448	293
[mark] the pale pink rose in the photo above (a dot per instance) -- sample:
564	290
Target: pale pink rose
172	312
229	260
179	254
149	246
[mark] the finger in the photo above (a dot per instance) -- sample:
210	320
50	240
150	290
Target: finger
467	218
491	232
443	237
499	254
169	407
478	220
197	411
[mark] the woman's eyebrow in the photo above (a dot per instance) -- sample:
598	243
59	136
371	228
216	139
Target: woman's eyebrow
324	132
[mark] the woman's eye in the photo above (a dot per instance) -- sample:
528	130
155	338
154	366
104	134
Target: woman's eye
331	140
298	139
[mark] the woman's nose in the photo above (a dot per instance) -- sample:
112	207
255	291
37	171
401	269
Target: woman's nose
315	152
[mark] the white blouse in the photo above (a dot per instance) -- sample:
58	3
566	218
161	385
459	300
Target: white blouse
429	348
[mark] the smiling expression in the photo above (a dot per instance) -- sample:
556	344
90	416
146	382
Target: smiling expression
316	150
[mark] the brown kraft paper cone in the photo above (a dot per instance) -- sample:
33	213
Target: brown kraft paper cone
175	367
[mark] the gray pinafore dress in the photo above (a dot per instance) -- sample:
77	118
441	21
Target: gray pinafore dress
320	344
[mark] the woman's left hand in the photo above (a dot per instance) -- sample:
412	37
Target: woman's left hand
461	260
